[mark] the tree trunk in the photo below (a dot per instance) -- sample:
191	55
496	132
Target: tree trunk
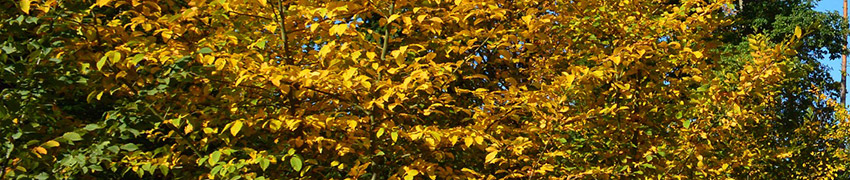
844	65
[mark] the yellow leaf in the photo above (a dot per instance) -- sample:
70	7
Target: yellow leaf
209	59
167	34
547	167
352	124
324	51
355	54
100	94
25	6
416	136
366	84
467	141
394	136
276	80
338	29
371	55
597	74
785	155
114	56
380	132
234	129
698	54
189	128
395	53
526	19
101	3
392	17
401	50
453	140
479	140
220	63
51	144
491	156
40	150
798	32
421	18
313	27
410	173
436	19
349	73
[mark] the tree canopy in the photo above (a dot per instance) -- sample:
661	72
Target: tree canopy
397	89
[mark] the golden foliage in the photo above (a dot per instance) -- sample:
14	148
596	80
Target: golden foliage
432	89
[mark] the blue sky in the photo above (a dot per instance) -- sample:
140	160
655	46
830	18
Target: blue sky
833	64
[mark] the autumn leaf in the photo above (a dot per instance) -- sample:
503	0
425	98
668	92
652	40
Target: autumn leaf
490	157
50	144
25	6
234	129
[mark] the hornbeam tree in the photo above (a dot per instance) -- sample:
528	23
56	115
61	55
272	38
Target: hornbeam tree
386	89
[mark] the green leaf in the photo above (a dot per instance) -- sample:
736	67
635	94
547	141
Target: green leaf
137	58
164	169
261	44
129	147
214	157
264	163
176	122
295	161
42	176
91	127
215	170
686	123
205	50
101	62
17	135
113	149
9	49
114	56
72	136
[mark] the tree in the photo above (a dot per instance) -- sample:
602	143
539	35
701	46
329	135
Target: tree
803	119
391	90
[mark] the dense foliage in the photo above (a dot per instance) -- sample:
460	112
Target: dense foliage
259	89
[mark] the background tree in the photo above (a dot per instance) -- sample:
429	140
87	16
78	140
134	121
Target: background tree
803	119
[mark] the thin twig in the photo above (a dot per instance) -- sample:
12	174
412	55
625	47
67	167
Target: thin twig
467	58
282	22
183	135
250	15
387	34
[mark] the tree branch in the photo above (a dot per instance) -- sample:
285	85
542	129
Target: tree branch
182	135
386	35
